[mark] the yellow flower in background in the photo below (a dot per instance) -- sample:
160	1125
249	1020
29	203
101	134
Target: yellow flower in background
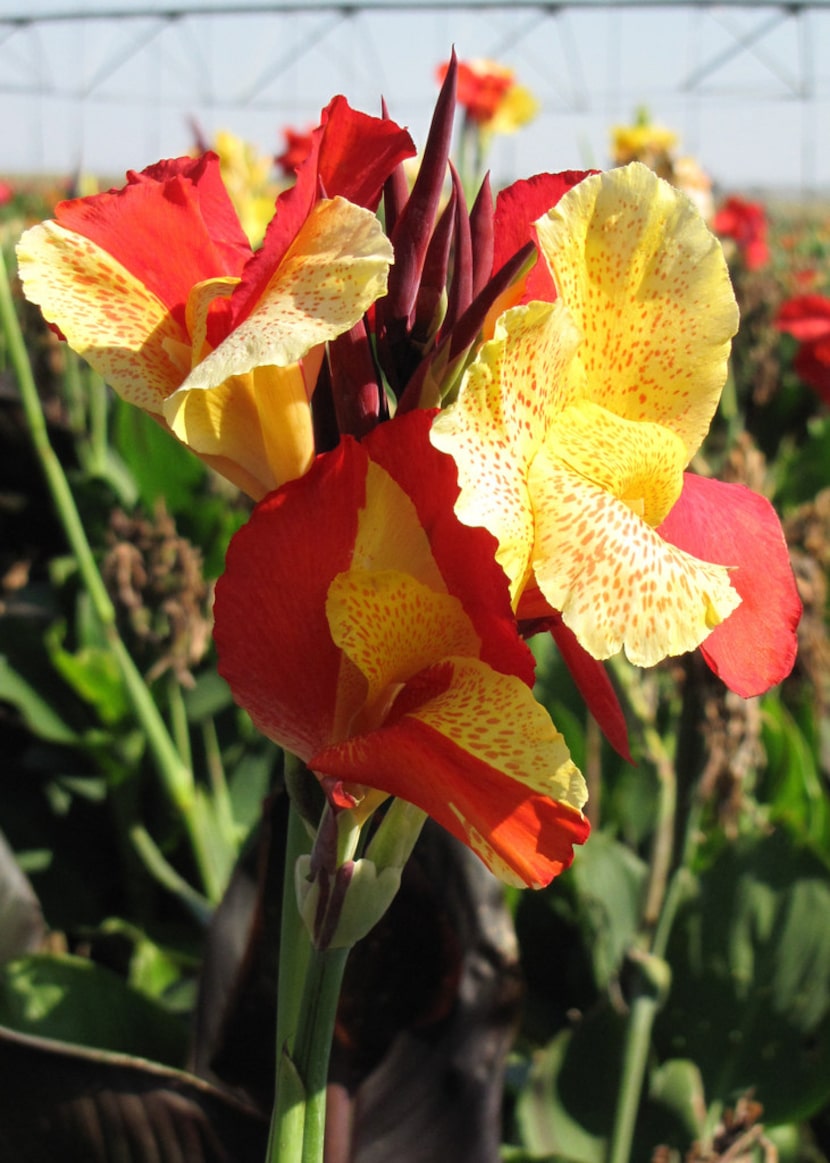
248	178
574	424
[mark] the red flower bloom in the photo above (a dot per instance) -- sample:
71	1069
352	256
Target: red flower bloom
745	223
370	633
298	145
807	319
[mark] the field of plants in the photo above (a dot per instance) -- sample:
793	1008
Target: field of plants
666	999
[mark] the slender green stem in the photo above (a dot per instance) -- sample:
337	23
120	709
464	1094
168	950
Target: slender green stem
176	777
635	1060
313	1046
285	1141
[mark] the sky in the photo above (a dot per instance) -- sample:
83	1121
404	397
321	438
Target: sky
106	95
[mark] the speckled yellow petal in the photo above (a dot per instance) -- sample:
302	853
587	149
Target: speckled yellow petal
497	424
392	626
647	284
617	584
110	318
639	463
334	270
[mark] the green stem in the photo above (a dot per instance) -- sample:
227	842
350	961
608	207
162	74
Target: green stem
285	1141
635	1060
176	777
313	1046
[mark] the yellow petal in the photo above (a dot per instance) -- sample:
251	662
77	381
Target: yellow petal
496	426
334	270
648	286
106	315
392	626
639	463
390	534
617	584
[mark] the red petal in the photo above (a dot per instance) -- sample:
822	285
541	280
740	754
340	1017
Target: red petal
171	226
730	525
532	834
595	686
805	317
271	631
351	156
517	208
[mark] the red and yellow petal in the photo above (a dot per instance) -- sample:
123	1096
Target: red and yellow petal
334	270
464	555
474	749
617	583
271	631
648	286
756	646
105	313
171	226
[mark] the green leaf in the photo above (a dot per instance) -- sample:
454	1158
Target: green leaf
93	674
70	999
609	880
160	465
750	955
568	1105
35	712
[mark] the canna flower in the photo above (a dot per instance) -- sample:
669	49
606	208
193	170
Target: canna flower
746	224
367	631
574	425
807	319
645	141
491	97
157	287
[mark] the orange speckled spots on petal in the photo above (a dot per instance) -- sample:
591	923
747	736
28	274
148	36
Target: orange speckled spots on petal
392	626
495	719
648	285
335	269
106	315
617	584
638	462
494	429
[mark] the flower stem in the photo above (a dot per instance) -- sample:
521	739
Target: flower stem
308	991
176	777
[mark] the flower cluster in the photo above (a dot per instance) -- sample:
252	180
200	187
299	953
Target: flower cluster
464	427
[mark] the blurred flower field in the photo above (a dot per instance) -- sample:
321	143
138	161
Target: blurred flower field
684	957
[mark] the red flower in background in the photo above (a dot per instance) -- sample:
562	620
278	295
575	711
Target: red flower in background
807	319
298	145
746	224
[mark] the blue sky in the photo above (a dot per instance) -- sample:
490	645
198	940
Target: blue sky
107	95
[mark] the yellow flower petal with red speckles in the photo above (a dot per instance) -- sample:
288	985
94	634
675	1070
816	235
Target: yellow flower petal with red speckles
494	429
638	462
334	270
648	286
617	584
107	315
392	626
